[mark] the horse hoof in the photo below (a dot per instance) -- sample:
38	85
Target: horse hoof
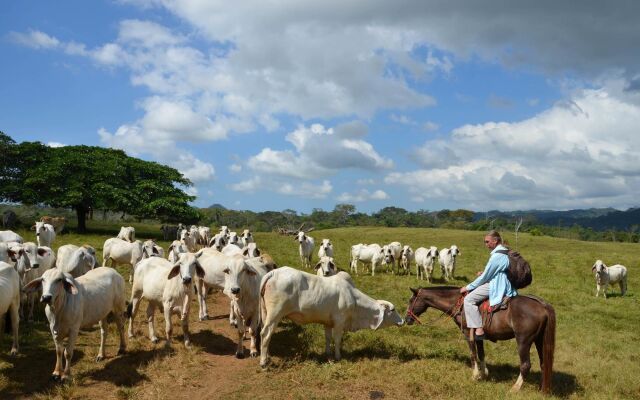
55	378
155	340
239	355
99	358
13	353
254	354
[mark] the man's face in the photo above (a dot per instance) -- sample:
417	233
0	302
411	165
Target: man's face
490	242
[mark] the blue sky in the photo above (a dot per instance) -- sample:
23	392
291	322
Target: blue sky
289	104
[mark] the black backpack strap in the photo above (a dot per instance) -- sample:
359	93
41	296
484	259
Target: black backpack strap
505	252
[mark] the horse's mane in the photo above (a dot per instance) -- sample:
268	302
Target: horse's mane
440	287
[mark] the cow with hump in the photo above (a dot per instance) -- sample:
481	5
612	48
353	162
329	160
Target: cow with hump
331	301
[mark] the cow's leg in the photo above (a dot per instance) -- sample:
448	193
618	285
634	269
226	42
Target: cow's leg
68	354
118	316
337	340
525	363
151	311
135	304
240	348
327	340
184	320
168	327
269	324
57	370
255	337
15	322
202	298
103	338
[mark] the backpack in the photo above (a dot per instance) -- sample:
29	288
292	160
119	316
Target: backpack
519	271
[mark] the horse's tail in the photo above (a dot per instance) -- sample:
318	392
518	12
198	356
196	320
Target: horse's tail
548	348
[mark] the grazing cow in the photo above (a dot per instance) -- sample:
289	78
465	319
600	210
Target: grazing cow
10	301
127	233
9	219
218	241
242	286
246	238
175	249
205	235
370	255
45	234
448	261
119	251
425	260
168	286
40	259
188	240
609	275
326	249
72	304
169	232
10	236
406	257
305	248
333	301
75	260
58	223
326	267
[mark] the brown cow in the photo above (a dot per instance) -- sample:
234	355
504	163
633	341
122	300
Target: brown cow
58	223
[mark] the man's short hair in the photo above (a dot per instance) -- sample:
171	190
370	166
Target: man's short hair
494	234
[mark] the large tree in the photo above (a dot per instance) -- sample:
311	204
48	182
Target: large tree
88	177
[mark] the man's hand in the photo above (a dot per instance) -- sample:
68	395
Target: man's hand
463	290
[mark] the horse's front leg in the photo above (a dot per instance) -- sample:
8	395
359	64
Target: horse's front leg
524	346
468	333
482	366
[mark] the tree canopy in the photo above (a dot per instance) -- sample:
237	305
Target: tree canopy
90	177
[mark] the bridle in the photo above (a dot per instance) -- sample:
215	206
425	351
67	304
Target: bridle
452	312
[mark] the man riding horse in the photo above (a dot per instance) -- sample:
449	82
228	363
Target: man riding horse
492	284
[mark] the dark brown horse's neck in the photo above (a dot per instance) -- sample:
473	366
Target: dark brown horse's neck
443	299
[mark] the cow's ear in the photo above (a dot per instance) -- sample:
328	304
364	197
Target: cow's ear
318	265
69	286
250	270
12	255
332	265
199	271
593	269
257	253
42	251
32	286
199	253
175	270
245	252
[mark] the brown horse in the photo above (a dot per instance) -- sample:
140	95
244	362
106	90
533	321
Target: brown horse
529	319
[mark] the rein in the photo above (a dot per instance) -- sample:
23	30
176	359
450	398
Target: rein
452	312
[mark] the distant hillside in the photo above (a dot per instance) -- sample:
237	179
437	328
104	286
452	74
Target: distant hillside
216	205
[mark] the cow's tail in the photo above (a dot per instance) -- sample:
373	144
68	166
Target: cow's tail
262	315
548	348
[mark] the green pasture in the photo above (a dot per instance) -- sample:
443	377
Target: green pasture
597	354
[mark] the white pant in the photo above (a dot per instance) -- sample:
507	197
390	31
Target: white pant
471	300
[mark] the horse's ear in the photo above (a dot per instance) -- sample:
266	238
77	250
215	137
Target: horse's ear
415	291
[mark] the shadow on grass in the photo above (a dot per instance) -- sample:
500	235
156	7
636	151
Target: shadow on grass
214	343
563	385
125	370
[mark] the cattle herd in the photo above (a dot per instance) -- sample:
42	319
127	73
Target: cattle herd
79	292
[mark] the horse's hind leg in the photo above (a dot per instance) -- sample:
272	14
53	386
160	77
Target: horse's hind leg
525	364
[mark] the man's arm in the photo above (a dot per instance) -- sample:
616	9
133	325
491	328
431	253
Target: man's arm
488	274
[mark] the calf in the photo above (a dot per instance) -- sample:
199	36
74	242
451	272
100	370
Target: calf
72	304
305	248
406	257
45	234
448	261
609	275
425	260
127	233
326	249
326	267
10	301
75	260
168	286
40	259
333	302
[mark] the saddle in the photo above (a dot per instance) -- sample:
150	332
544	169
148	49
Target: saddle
487	311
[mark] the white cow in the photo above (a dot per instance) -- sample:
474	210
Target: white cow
326	267
392	252
406	257
242	286
194	232
425	261
10	236
370	255
80	303
119	251
246	238
175	249
333	301
127	233
326	249
448	261
225	231
305	248
218	241
168	286
40	259
232	250
234	239
353	261
151	249
75	260
609	275
188	240
10	301
204	233
251	250
45	234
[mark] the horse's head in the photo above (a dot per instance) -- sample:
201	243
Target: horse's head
417	306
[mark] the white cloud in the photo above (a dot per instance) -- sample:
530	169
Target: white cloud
362	195
281	186
55	144
402	119
235	168
579	153
430	126
34	39
366	182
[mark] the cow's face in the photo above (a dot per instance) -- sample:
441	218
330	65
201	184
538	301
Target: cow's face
301	237
18	254
184	235
246	234
406	252
237	272
599	267
454	251
187	267
40	228
327	266
326	244
388	315
433	253
251	250
388	254
35	254
55	286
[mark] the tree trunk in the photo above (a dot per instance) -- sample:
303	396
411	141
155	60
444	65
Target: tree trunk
81	212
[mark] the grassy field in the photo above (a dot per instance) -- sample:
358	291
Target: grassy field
597	356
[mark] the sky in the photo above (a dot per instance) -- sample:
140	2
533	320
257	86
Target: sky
289	104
